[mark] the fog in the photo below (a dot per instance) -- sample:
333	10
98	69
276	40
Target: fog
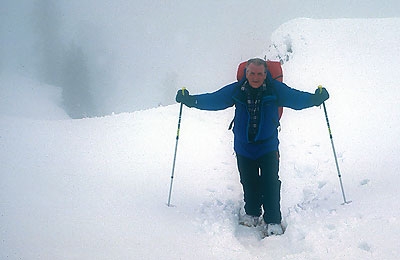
120	56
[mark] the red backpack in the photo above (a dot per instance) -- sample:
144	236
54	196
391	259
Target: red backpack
274	67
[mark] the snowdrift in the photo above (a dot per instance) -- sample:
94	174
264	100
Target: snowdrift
97	188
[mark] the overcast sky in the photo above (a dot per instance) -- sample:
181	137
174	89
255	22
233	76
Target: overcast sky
125	55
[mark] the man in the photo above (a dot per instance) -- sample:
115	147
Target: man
257	98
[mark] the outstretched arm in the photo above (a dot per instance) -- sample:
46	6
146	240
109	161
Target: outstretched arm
218	100
296	99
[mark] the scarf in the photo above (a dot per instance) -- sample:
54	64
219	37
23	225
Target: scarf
254	96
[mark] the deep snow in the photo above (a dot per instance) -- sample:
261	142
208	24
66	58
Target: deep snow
97	188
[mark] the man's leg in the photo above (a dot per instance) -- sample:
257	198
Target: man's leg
250	179
271	187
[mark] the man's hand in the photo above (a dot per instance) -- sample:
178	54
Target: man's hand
320	95
182	96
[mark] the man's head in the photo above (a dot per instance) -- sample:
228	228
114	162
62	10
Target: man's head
256	72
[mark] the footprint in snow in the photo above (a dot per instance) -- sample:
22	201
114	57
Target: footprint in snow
365	246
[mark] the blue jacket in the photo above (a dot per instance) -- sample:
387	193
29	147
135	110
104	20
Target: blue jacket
266	139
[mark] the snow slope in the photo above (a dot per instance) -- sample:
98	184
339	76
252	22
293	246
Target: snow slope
97	188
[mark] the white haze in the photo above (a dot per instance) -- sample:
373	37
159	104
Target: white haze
120	56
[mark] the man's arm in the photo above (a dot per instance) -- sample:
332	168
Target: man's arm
296	99
218	100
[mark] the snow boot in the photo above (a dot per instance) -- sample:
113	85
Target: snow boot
248	220
273	229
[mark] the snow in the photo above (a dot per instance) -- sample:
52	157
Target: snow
97	188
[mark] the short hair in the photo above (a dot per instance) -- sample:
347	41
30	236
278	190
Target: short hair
258	62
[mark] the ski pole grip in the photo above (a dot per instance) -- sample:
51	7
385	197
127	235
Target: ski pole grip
320	89
183	90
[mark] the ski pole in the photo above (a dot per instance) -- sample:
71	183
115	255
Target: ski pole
334	151
176	147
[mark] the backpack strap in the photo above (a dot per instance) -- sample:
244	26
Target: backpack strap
231	124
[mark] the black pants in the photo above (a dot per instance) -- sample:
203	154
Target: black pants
261	186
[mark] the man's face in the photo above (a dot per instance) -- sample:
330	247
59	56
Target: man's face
255	75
